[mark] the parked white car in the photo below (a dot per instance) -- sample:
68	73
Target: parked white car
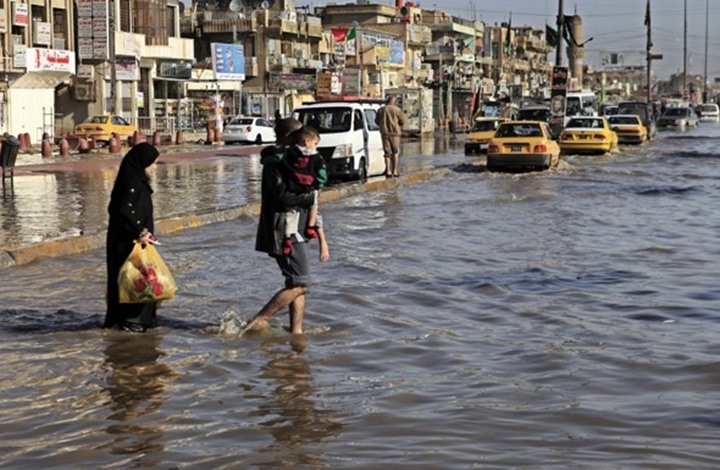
350	141
248	129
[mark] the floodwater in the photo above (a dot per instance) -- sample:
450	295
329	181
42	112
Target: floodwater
563	319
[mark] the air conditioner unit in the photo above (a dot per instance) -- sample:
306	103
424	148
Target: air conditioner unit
84	91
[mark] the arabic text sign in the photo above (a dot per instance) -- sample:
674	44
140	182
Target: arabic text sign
20	14
40	60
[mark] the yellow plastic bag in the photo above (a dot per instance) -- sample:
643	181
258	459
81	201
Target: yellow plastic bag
144	277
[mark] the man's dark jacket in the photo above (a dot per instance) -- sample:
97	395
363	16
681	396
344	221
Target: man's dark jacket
276	199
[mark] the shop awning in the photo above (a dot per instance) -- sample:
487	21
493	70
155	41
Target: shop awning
48	79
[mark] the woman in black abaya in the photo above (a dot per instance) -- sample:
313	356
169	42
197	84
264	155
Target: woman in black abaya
131	218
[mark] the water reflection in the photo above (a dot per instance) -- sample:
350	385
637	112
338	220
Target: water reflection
136	384
294	418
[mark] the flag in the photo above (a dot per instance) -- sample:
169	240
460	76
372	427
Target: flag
339	34
506	47
551	36
351	34
647	14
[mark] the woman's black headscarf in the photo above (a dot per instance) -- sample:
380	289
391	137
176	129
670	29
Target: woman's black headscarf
132	171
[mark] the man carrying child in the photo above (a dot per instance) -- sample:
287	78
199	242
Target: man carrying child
292	174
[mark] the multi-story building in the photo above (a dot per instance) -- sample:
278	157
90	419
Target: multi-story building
38	62
62	64
282	53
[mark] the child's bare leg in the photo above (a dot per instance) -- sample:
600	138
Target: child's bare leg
324	247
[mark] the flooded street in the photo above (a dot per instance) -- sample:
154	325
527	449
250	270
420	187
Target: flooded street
563	319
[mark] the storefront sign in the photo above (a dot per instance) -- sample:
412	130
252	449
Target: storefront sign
351	82
92	20
19	56
42	33
20	14
300	82
178	69
324	83
126	69
39	60
228	61
3	21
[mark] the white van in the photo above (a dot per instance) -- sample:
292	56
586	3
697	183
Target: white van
350	140
581	103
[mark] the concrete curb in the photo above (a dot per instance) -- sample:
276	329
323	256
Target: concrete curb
84	243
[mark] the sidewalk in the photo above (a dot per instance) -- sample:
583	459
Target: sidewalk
58	206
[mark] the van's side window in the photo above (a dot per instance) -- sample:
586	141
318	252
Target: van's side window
370	117
358	121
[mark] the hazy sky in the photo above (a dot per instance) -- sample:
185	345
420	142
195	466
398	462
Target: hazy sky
615	26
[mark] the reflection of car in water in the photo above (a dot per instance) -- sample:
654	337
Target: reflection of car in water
588	135
481	133
522	145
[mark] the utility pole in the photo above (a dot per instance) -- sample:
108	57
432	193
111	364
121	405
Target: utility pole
649	45
560	32
684	79
707	25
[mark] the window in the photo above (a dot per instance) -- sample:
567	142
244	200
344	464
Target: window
150	19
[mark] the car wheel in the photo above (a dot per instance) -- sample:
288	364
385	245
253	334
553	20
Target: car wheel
362	171
258	139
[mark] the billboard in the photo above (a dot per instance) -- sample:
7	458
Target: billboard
228	61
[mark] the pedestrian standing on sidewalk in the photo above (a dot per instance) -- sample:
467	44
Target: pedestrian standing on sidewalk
275	201
131	218
391	119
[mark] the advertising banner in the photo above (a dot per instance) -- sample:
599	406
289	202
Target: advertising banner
300	82
557	96
55	60
228	61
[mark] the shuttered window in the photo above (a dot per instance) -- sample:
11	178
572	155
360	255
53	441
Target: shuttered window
151	20
125	16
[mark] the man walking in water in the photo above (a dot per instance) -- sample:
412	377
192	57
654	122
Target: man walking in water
391	119
276	200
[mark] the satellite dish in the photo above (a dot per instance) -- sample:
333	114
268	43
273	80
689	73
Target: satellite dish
182	8
236	6
264	5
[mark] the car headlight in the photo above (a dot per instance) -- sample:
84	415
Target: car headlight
342	151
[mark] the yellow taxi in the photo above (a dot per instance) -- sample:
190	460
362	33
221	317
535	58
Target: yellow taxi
522	145
101	128
481	133
588	134
629	128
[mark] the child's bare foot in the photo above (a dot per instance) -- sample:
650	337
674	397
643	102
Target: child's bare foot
257	325
324	252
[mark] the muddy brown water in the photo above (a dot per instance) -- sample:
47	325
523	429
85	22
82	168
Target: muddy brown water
565	319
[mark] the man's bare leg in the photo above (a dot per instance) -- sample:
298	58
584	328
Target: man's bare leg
396	165
297	313
388	166
280	300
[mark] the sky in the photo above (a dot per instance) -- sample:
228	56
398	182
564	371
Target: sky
615	25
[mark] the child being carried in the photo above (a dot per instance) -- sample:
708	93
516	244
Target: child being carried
308	173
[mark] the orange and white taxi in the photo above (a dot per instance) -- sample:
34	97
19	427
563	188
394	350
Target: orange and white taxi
522	145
